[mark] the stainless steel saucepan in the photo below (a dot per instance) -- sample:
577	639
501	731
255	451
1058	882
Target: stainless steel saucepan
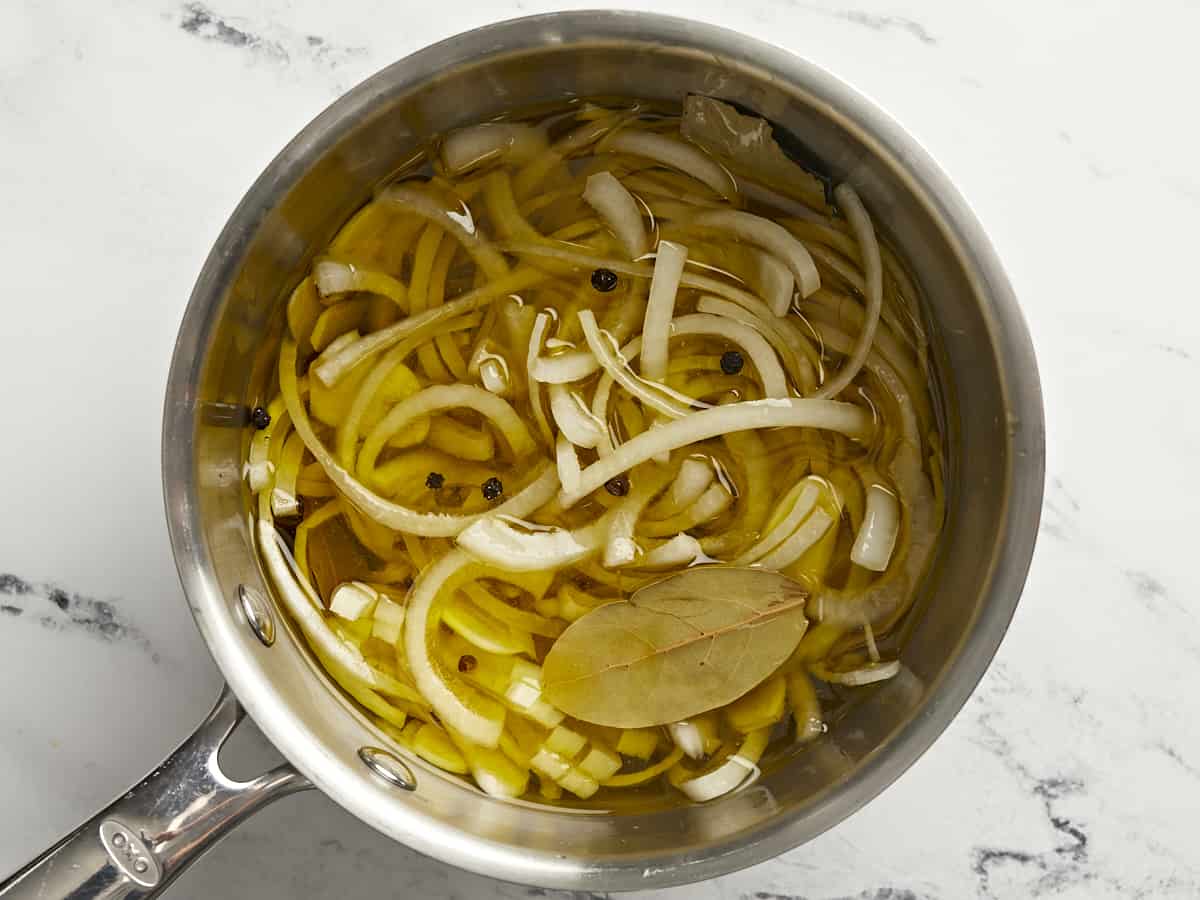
987	375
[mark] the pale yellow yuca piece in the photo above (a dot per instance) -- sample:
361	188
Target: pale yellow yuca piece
647	774
334	278
423	262
483	629
763	706
336	320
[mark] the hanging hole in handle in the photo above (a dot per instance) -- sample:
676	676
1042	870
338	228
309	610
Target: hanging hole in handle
389	767
257	611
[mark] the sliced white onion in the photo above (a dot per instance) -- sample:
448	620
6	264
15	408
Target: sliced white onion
460	224
866	675
687	737
574	419
769	235
695	475
724	779
565	368
333	277
620	548
567	462
540	324
352	600
876	536
467	148
681	550
612	359
784	341
714	501
800	508
330	370
860	221
676	154
608	197
660	309
259	474
802	538
853	421
753	344
305	608
493	374
447	396
774	280
399	518
446	701
516	546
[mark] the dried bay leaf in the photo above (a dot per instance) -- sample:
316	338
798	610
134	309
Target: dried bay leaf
676	648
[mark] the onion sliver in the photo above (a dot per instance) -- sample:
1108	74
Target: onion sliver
620	548
770	373
774	280
789	345
565	368
574	419
467	148
802	538
695	475
676	154
459	224
681	550
514	546
858	677
567	462
876	537
306	608
458	705
338	278
800	508
540	324
687	737
848	419
332	369
714	501
733	773
399	518
860	221
617	368
447	396
605	194
660	309
772	237
348	431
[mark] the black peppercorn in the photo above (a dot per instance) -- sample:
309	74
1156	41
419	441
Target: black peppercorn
604	280
434	481
467	663
260	418
618	485
731	362
492	488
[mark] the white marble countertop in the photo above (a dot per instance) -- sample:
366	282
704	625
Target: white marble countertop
130	128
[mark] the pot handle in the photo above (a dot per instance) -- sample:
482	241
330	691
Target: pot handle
146	837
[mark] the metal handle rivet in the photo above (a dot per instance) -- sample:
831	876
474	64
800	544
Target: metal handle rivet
140	866
389	767
257	611
118	840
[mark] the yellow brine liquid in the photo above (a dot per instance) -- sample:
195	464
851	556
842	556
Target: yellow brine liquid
564	356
